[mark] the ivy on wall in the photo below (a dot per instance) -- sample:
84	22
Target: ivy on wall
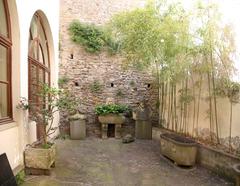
93	38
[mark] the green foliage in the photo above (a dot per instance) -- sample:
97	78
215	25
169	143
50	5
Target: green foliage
111	109
96	87
154	34
185	96
50	101
216	46
227	88
46	146
63	80
20	177
92	38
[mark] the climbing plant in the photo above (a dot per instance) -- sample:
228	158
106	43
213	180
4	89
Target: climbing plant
91	37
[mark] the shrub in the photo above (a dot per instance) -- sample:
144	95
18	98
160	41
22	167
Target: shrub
111	109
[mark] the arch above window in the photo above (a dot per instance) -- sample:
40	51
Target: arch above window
38	45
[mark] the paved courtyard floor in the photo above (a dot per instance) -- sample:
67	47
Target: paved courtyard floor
96	162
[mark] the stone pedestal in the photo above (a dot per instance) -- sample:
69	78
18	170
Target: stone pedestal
143	129
104	130
118	130
115	119
77	127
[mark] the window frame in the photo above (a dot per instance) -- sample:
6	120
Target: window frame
46	69
6	41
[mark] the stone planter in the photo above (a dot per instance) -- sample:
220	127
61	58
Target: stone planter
181	150
77	127
143	124
112	118
39	160
116	119
236	169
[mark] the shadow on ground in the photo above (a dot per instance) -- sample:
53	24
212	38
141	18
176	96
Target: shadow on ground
96	162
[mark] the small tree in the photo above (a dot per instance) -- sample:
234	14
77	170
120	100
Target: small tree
50	101
155	36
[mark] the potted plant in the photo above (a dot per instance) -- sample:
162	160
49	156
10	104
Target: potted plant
40	156
111	114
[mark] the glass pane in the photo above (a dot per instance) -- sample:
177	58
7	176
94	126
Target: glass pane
33	49
33	74
43	41
40	53
45	54
33	27
3	63
3	20
41	76
3	101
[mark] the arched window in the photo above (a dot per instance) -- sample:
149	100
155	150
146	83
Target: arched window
38	58
5	64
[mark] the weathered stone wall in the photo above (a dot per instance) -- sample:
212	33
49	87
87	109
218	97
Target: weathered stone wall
127	86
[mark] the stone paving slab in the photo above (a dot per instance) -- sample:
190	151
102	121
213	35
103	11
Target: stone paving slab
97	162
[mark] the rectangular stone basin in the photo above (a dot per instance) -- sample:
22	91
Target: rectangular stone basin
181	150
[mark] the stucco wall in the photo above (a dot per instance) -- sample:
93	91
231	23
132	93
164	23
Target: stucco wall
14	136
202	129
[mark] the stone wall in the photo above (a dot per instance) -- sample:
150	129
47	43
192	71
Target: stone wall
86	71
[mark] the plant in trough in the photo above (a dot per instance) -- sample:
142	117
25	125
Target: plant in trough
111	109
